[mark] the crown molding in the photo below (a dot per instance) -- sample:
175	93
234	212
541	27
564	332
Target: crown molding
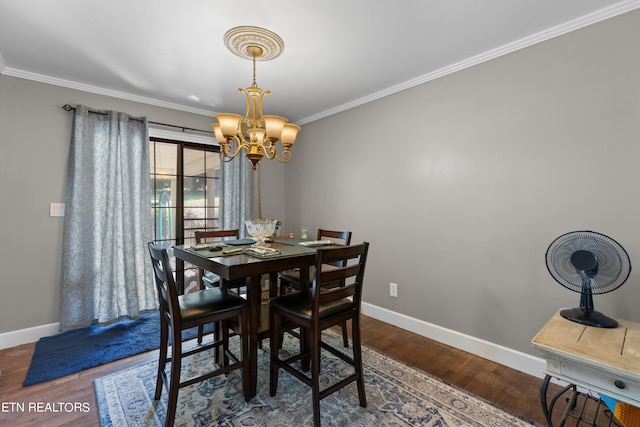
101	91
542	36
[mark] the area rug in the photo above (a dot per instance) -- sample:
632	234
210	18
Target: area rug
397	395
74	351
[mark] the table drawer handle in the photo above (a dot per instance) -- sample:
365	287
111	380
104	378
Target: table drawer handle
619	384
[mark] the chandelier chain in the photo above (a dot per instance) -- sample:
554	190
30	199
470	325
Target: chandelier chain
254	71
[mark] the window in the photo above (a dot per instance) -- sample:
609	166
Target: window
186	195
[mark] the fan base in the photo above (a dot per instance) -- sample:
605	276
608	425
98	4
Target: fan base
588	317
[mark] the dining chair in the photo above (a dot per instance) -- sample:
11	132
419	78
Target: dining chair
290	280
180	312
211	280
316	309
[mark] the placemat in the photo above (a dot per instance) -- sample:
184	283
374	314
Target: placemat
286	250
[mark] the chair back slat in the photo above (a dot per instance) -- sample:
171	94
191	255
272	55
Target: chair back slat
215	234
342	237
332	294
341	282
339	237
340	273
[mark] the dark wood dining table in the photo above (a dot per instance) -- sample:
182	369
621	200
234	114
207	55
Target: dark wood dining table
242	265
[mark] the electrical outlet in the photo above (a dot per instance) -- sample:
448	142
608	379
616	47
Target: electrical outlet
393	290
56	209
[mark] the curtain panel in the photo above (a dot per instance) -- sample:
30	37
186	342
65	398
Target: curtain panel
106	273
240	195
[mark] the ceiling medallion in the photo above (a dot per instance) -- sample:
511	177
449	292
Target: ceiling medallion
243	40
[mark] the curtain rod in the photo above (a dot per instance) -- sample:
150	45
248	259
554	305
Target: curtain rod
68	107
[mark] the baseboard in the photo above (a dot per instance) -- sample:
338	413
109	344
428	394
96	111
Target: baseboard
28	335
505	356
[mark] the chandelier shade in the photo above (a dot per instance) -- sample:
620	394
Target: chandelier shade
254	133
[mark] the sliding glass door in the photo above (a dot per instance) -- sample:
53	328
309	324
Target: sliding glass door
186	196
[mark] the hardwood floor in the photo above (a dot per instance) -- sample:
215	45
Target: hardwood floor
513	390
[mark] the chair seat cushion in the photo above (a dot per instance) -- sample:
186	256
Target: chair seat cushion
195	305
292	278
299	304
211	280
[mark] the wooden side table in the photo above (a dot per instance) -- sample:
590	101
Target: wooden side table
605	360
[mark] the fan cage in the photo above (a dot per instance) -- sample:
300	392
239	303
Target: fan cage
614	266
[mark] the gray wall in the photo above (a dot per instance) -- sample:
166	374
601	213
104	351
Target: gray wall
462	183
34	143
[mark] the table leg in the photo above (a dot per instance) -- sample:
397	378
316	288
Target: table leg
273	285
305	335
304	278
547	407
254	291
543	400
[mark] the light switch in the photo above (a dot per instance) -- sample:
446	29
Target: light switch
56	209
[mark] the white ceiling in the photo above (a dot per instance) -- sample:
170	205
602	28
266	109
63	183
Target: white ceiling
338	53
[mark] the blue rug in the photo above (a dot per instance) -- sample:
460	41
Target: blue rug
80	349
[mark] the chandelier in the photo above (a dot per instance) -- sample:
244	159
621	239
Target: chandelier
254	132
